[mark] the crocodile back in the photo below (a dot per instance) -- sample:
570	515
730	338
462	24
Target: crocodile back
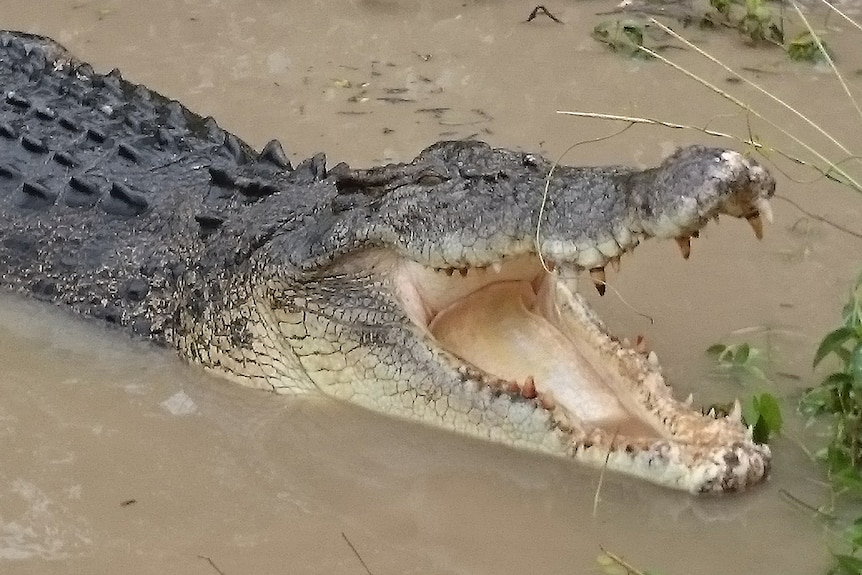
105	186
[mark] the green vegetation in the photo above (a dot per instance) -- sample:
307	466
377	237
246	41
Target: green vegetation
762	413
740	362
623	36
839	395
755	20
838	398
804	48
836	403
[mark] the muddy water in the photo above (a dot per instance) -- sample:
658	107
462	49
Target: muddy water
118	458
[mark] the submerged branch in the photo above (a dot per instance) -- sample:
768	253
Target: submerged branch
630	569
355	552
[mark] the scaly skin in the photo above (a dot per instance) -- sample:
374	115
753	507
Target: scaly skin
127	207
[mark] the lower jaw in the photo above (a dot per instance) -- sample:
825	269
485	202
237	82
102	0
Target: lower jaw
499	330
734	467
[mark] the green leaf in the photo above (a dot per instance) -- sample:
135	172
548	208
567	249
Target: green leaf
750	411
849	478
837	459
763	413
853	533
634	32
854	365
770	412
836	382
626	36
721	6
762	14
821	399
833	340
847	565
716	349
743	351
601	33
816	401
804	47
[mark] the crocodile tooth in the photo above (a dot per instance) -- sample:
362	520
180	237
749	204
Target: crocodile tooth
756	225
590	257
609	248
689	400
497	266
615	263
624	238
652	358
711	412
598	277
641	346
684	243
764	207
546	400
735	414
528	389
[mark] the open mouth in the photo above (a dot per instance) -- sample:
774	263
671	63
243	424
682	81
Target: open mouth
528	332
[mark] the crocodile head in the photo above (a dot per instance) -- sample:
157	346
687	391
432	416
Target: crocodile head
445	291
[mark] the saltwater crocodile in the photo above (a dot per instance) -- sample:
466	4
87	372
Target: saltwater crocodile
441	290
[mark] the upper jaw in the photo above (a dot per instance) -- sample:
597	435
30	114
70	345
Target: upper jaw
702	184
674	200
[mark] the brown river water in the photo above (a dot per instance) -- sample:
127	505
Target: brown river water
116	457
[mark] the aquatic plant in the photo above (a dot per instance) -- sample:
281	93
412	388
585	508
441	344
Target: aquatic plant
837	400
756	20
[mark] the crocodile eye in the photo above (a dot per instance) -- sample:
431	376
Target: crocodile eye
430	180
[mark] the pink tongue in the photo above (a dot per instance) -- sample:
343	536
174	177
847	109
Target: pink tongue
494	329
